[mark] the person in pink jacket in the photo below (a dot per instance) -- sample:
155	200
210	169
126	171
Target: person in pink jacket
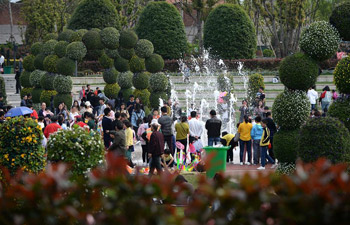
142	128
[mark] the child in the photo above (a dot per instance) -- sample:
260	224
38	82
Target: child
41	122
229	140
256	134
264	143
168	159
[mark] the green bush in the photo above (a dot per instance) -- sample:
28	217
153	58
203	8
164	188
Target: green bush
121	64
298	72
50	63
126	93
76	37
341	109
92	40
65	35
144	48
73	146
161	23
126	53
111	90
81	32
59	98
125	80
94	54
112	53
291	109
25	79
324	137
28	63
105	61
154	99
46	96
340	20
65	66
76	50
36	93
137	64
128	39
143	95
110	75
25	91
255	82
49	47
229	33
225	82
320	40
50	36
158	82
20	144
46	81
39	61
35	78
61	48
285	145
110	37
268	53
36	48
63	84
154	63
342	76
141	80
3	90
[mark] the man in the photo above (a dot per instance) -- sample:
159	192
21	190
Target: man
107	126
156	150
313	96
272	127
18	84
213	125
29	100
118	147
261	94
130	105
95	102
266	109
42	109
166	125
96	91
101	107
196	127
53	127
20	65
2	61
82	95
24	101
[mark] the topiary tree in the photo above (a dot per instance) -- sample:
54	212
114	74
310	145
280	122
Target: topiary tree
36	48
158	82
137	64
268	53
25	91
298	72
92	40
121	64
125	80
60	48
65	66
110	37
112	53
229	33
340	20
28	63
76	50
36	93
35	78
50	63
324	137
340	109
81	32
256	81
76	37
110	76
126	93
143	95
141	80
225	82
39	61
144	48
104	15
111	90
126	53
50	36
285	146
46	96
154	63
105	61
161	23
61	97
63	84
128	39
342	75
25	79
3	90
320	40
93	54
46	81
291	109
49	47
65	35
154	99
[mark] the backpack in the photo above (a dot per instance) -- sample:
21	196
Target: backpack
138	120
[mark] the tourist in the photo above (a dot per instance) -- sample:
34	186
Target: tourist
119	144
95	102
334	95
137	115
29	100
264	143
144	145
244	130
112	116
156	150
86	108
34	113
256	134
20	64
82	94
213	126
96	91
42	109
101	107
52	127
18	83
166	125
167	160
266	110
182	131
41	122
261	95
60	120
124	110
73	113
91	121
1	101
228	140
244	110
87	91
138	101
156	114
62	109
313	96
76	104
259	109
273	129
123	116
107	126
129	141
196	128
130	104
326	99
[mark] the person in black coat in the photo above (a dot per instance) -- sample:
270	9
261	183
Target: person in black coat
107	126
18	83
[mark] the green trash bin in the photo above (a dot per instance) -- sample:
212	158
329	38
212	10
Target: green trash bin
7	69
218	162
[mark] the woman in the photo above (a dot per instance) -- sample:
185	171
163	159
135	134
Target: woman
259	109
124	110
62	110
137	116
76	104
73	113
182	131
129	141
112	116
244	110
143	127
138	101
91	121
326	99
87	108
245	139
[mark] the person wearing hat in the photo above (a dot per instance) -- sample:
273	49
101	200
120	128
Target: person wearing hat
87	108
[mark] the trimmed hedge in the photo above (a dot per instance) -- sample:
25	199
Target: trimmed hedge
126	53
298	72
35	78
144	48
28	63
340	109
46	96
141	80
60	48
59	98
110	75
76	50
36	93
285	145
126	93
39	61
25	91
110	37
111	90
324	137
143	95
154	63
128	39
125	80
76	37
92	40
94	54
229	33
154	99
49	47
50	63
50	36
137	64
342	76
112	53
121	64
65	66
65	35
81	32
340	20
46	81
268	53
255	82
36	48
105	61
161	23
25	79
63	84
158	82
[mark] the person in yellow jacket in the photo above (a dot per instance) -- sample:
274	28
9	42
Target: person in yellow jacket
129	141
245	139
264	144
228	140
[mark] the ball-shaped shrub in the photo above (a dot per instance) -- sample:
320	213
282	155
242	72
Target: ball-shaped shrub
60	48
28	63
144	48
225	82
46	96
49	47
342	75
320	40
73	146
154	99
63	84
92	40
137	64
324	137
341	109
112	53
65	35
50	36
291	109
76	50
36	48
105	61
46	81
121	64
76	37
35	78
298	72
161	23
128	39
154	63
81	32
158	82
110	37
229	33
125	93
125	80
36	93
25	91
285	145
39	61
110	75
20	144
143	95
93	55
60	97
111	90
25	79
268	53
50	63
65	66
255	82
340	20
126	53
141	80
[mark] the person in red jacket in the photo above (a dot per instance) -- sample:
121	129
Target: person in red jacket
52	127
34	114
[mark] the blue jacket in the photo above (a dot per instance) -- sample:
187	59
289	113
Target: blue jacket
256	132
135	116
